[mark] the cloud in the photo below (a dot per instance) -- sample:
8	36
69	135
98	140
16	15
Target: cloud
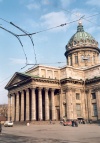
93	2
33	6
53	19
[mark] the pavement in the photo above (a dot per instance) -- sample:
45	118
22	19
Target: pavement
52	133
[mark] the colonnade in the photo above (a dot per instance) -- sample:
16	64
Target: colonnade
31	104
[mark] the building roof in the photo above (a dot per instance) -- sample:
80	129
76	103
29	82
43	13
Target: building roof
81	39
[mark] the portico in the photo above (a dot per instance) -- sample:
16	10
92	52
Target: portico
32	104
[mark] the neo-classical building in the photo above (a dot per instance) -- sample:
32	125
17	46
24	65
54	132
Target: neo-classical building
50	93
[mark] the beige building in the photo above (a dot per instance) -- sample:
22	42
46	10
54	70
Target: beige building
50	93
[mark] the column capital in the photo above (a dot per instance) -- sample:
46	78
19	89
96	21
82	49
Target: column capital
68	89
26	90
9	95
82	90
97	89
87	91
33	87
22	91
46	89
40	88
52	89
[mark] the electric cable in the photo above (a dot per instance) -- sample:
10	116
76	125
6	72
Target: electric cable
84	16
30	36
17	38
61	25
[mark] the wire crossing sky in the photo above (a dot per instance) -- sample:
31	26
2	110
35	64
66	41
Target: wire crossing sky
36	32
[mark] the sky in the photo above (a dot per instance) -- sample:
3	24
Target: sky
42	17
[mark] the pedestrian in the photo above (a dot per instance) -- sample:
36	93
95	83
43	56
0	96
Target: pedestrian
50	121
0	128
76	123
73	123
90	121
83	121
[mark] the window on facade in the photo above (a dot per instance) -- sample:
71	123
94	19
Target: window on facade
94	109
70	60
77	96
76	59
74	42
82	57
93	58
78	110
88	57
93	95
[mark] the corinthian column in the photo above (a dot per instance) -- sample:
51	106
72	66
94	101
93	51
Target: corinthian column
22	106
9	107
83	103
40	104
68	105
74	104
33	111
27	105
46	105
17	107
98	102
13	107
53	104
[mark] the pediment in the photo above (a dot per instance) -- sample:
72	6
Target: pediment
17	78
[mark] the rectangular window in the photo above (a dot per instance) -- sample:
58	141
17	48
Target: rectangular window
71	60
93	95
77	96
78	110
76	59
82	57
94	109
93	58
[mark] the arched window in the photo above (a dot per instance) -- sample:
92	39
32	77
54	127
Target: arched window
74	42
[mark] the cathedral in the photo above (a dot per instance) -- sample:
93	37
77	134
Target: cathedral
45	93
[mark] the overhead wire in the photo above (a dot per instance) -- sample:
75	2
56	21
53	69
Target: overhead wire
61	25
84	16
24	67
17	38
30	36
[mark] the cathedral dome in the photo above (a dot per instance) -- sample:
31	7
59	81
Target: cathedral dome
81	39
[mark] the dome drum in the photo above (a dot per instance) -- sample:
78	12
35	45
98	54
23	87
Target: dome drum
82	43
73	50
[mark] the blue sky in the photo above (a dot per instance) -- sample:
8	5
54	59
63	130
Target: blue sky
34	16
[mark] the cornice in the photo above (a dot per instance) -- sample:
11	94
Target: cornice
93	80
82	48
70	80
54	81
17	84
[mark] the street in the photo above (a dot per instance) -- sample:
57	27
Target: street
54	133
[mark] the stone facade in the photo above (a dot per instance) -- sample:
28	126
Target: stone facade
49	93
